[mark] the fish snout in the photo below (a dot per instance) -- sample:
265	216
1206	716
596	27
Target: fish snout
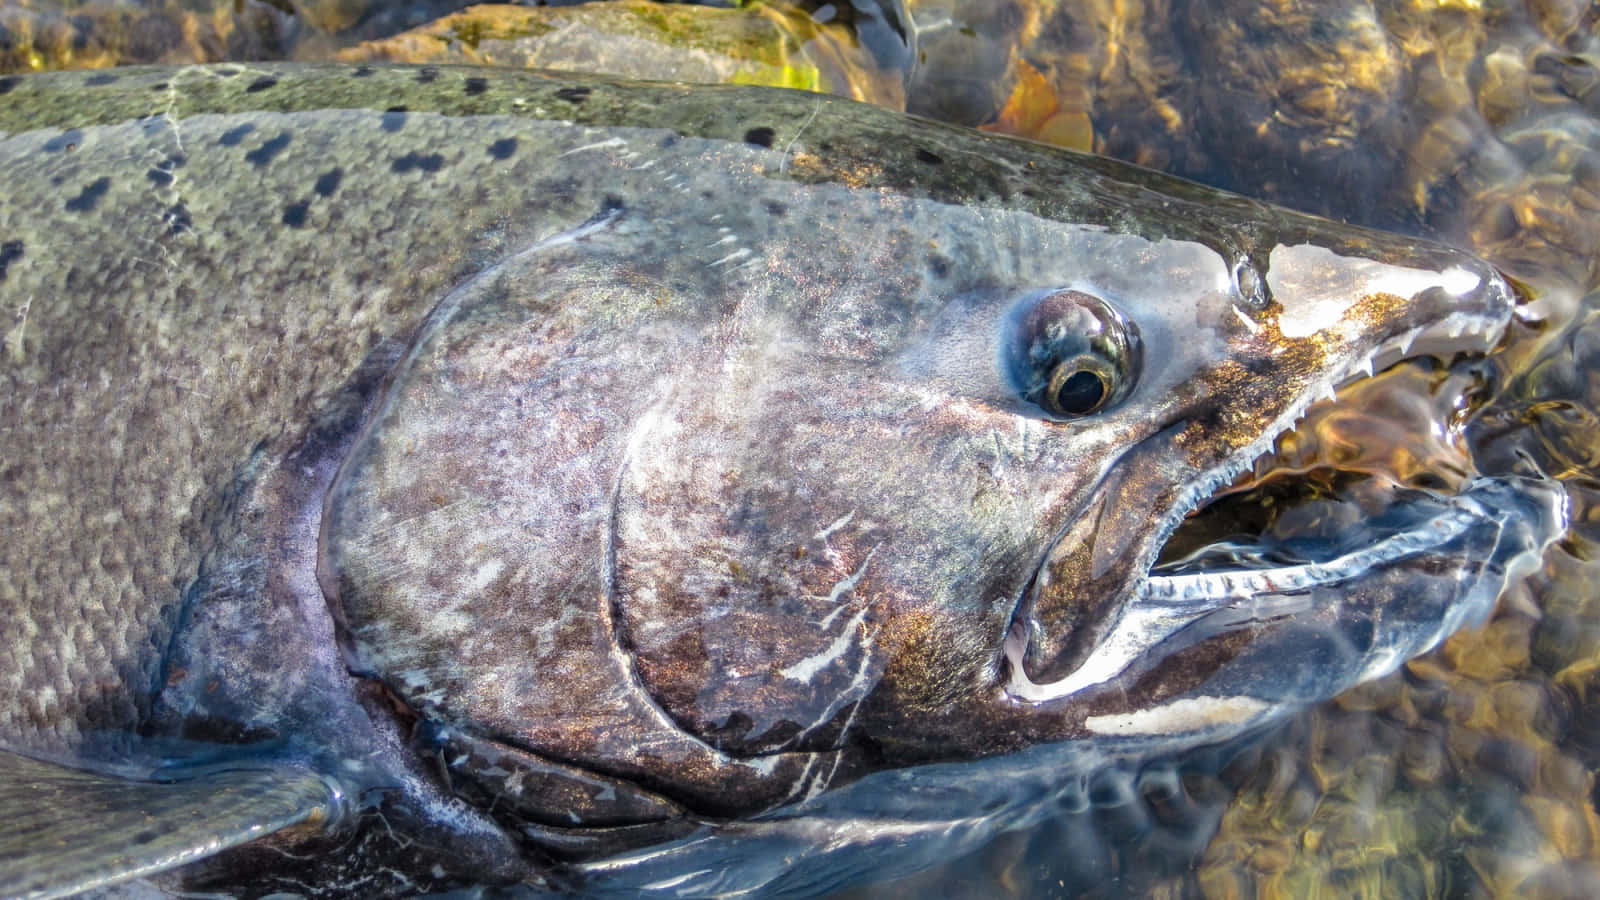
1333	312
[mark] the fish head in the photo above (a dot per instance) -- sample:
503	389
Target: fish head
960	528
739	533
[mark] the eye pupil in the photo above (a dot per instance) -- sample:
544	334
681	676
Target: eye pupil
1080	393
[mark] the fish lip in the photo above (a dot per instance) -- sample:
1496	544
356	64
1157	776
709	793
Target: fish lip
1461	331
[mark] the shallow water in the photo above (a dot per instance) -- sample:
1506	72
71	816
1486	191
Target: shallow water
1471	772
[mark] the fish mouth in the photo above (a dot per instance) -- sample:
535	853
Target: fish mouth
1256	543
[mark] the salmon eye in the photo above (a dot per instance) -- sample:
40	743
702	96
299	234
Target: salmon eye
1072	354
1078	386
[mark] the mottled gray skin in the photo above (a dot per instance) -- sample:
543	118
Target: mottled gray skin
574	465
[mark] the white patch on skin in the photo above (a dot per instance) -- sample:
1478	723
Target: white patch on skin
1139	629
839	589
789	147
1244	318
839	523
852	693
652	425
801	781
806	669
822	784
1189	714
1320	284
765	765
14	337
613	142
849	583
486	574
514	784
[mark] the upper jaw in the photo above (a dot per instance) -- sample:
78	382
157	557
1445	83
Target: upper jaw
1155	607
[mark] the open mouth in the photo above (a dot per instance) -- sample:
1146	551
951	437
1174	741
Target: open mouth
1312	505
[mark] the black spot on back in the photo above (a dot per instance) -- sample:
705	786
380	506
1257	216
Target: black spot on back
503	148
101	78
939	265
476	86
260	84
576	94
328	182
159	86
774	208
178	219
90	196
431	162
394	119
67	140
1258	366
427	75
362	71
160	177
294	215
761	137
10	252
929	157
233	136
264	154
8	82
669	141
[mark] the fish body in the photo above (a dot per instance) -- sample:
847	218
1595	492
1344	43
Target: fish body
594	478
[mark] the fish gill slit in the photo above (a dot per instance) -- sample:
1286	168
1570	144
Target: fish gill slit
610	604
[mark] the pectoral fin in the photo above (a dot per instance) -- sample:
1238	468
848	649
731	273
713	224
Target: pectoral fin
64	830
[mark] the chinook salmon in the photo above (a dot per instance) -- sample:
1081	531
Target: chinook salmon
419	478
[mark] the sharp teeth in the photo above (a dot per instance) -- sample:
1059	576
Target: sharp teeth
1409	339
1366	366
1327	391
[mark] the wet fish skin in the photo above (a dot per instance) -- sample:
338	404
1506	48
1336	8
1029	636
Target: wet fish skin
249	301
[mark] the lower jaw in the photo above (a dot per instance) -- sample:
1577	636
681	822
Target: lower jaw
1387	589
